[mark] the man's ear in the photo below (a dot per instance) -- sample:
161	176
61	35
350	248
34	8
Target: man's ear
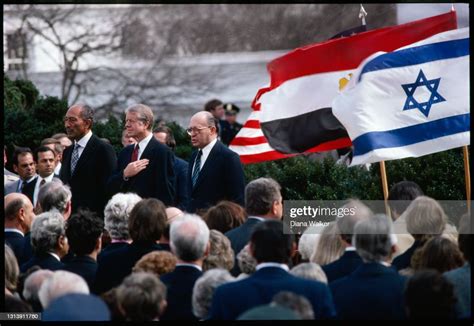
15	168
98	244
208	249
251	249
293	249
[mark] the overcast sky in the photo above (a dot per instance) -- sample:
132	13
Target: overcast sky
412	11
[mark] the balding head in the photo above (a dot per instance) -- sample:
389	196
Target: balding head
172	213
202	129
18	212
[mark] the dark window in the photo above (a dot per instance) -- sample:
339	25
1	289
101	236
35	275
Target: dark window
16	51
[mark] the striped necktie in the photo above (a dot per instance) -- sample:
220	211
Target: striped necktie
197	167
75	157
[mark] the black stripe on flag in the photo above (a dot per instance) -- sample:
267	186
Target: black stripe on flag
350	32
300	133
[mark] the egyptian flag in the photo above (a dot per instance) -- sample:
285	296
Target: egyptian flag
293	114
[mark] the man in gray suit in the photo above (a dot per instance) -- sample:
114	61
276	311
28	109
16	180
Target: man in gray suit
24	165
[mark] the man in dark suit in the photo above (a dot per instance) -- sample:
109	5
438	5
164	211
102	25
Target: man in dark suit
374	290
18	217
165	136
272	249
146	167
350	260
88	163
190	244
215	172
24	165
45	162
263	201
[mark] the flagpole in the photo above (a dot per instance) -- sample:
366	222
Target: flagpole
467	176
383	176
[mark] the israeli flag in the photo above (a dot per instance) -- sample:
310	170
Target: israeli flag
410	102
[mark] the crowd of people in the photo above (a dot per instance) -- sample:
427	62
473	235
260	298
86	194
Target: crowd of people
144	235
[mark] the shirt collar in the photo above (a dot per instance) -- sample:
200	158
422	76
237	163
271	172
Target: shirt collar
350	248
143	144
14	230
207	149
85	139
190	265
263	265
256	218
54	255
49	178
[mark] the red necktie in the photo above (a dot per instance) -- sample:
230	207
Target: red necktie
134	154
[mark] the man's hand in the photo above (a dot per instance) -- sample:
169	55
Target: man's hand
134	168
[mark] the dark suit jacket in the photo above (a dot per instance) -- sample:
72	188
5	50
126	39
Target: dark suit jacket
83	266
372	291
232	299
45	261
111	247
181	183
404	260
16	241
239	237
88	184
114	266
221	177
180	283
155	181
344	266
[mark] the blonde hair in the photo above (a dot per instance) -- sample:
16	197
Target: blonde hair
221	254
11	270
330	246
156	262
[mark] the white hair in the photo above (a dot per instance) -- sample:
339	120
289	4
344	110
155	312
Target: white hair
189	237
59	284
117	212
33	283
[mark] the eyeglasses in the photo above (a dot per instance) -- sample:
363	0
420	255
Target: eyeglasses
195	130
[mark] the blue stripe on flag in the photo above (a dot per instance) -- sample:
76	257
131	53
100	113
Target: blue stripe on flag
418	55
412	134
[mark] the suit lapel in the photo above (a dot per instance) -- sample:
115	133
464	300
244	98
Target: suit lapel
206	168
87	152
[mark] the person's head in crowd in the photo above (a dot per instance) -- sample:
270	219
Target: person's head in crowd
263	198
164	135
32	285
126	139
215	107
111	300
63	139
45	160
202	129
400	196
373	239
309	240
220	254
231	111
65	308
14	304
23	276
117	213
157	262
269	311
329	247
56	146
268	243
55	196
346	223
439	254
189	237
310	271
12	270
138	121
19	212
204	288
464	237
23	163
428	295
225	216
171	214
59	284
84	231
147	220
106	140
297	303
48	234
78	121
425	218
142	297
246	261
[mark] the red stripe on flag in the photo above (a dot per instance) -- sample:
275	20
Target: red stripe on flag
255	124
245	141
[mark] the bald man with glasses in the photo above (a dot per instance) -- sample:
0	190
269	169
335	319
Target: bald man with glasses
215	172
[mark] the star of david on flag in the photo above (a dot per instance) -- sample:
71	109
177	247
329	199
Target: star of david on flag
432	86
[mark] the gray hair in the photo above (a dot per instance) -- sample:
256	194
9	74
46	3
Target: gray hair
358	212
87	113
117	212
45	232
189	237
310	271
144	112
260	194
11	269
372	238
33	284
299	304
425	216
245	260
54	195
309	241
221	254
140	296
204	288
59	284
